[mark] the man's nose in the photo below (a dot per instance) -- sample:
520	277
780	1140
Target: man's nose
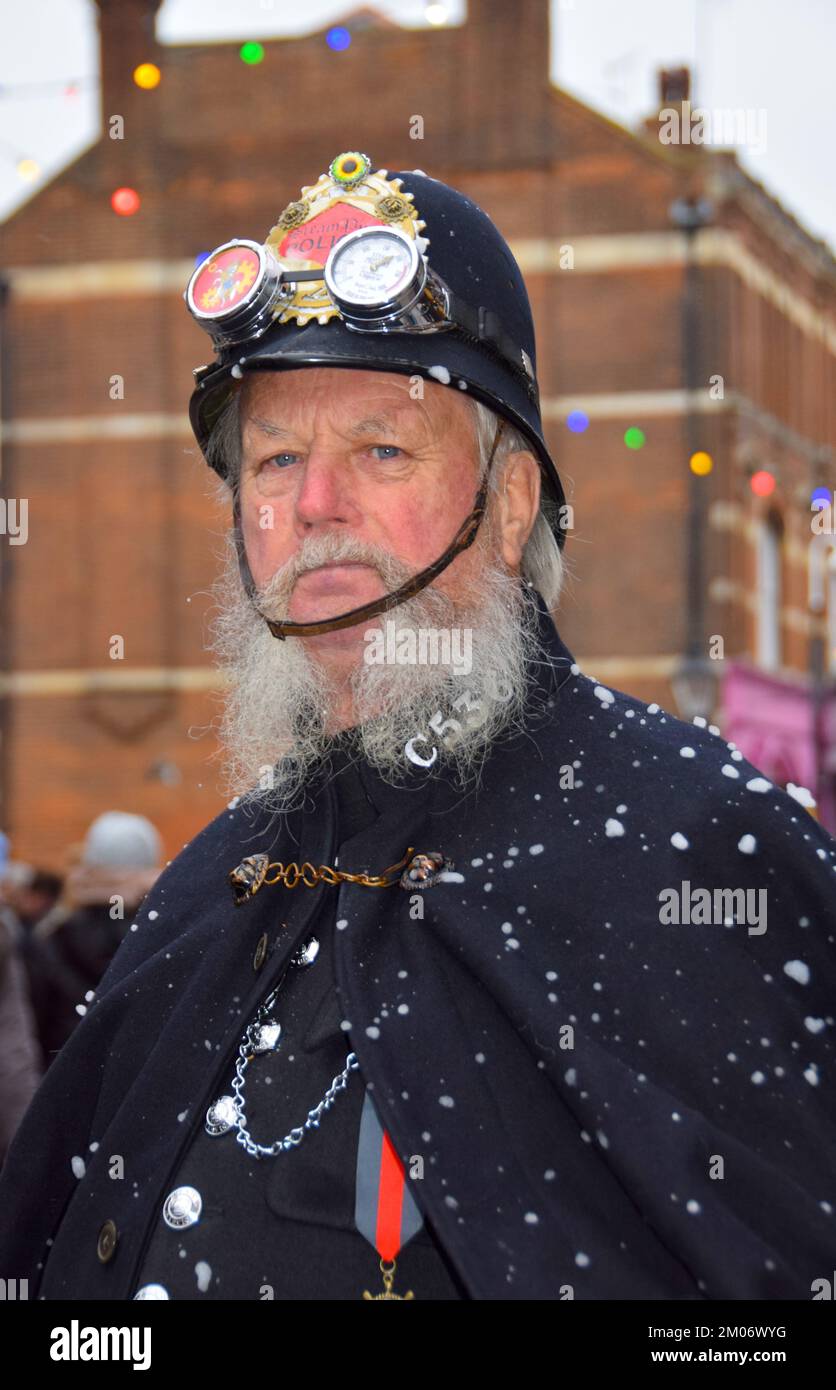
325	491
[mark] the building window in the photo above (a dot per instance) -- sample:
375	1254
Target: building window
770	536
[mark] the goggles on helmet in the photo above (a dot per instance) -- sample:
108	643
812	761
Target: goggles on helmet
376	277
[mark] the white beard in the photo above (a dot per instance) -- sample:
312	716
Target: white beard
273	732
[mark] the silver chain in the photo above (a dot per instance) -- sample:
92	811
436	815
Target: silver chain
246	1054
295	1136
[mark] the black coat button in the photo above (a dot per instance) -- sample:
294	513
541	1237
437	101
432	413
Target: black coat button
260	952
106	1243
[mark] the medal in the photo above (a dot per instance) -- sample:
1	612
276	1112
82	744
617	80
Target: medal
385	1211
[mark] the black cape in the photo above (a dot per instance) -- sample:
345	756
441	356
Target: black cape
682	1147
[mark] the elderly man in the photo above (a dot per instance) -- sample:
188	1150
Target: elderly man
491	982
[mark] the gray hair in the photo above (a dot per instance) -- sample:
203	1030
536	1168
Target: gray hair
542	562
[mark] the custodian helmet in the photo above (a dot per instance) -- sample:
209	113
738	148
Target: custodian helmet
378	272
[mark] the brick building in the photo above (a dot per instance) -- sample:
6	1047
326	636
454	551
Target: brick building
672	294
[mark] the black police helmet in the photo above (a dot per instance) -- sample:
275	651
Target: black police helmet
490	352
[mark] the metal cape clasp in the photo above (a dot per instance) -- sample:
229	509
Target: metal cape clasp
414	872
424	870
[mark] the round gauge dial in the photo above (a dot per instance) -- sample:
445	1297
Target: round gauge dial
225	280
372	267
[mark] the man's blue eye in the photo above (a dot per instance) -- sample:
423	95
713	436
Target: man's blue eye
386	446
275	457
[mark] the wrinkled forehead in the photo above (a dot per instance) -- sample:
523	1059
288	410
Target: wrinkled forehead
342	398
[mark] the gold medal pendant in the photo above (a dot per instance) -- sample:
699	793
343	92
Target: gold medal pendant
388	1280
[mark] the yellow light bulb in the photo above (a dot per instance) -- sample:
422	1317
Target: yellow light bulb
147	76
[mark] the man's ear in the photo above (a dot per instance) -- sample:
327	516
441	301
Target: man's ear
517	505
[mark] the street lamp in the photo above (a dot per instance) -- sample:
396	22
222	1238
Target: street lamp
694	685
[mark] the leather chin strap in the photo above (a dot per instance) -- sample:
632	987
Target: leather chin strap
463	538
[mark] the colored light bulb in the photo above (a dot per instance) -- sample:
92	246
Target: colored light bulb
125	201
147	76
762	483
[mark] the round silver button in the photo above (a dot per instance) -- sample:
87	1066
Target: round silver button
221	1116
182	1208
149	1291
307	954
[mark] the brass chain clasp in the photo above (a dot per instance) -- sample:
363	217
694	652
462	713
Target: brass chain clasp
256	871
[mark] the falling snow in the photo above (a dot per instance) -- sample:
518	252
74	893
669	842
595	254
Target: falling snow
798	971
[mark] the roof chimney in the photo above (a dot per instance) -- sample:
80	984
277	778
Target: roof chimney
126	39
674	86
674	108
503	90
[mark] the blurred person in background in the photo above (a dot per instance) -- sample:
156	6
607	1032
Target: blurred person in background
27	895
20	1069
20	1062
72	945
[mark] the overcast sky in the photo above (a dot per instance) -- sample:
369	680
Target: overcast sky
772	59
